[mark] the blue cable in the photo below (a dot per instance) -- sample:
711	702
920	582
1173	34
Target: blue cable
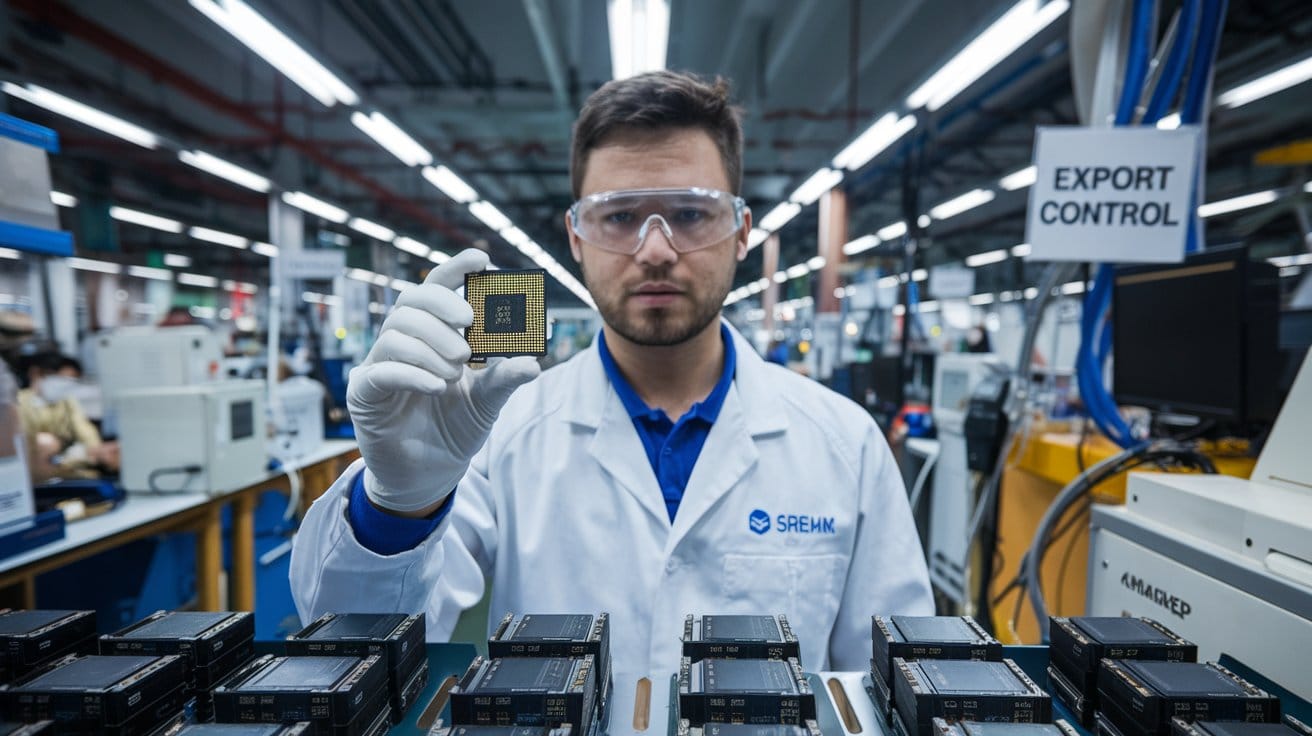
1209	38
1168	86
1136	65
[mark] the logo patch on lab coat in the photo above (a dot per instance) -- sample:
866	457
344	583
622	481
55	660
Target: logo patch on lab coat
759	522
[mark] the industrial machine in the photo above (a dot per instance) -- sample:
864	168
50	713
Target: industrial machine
956	377
1225	562
156	357
297	418
208	437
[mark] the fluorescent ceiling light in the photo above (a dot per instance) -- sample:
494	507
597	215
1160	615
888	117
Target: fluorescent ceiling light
889	282
1008	33
401	284
796	271
306	203
980	300
924	220
372	229
929	306
438	257
514	236
531	249
10	254
1304	259
489	215
412	246
885	132
987	257
267	250
72	109
224	170
1234	204
780	277
919	274
1170	122
360	274
1072	287
1022	250
860	245
1019	179
218	236
176	260
63	200
449	184
145	219
779	216
87	264
818	183
195	279
262	37
1267	84
1288	271
639	34
397	142
756	237
146	272
968	201
888	232
816	263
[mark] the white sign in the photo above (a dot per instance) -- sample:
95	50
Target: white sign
312	264
949	282
1112	195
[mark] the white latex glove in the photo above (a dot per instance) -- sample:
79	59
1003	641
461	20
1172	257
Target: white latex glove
420	414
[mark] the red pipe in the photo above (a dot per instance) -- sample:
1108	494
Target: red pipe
61	16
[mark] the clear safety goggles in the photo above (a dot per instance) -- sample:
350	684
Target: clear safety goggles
691	219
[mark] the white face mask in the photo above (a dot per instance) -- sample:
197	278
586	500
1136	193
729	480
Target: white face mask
56	388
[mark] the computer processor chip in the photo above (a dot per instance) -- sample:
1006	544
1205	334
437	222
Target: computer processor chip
510	313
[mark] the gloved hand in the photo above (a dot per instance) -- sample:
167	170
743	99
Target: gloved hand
420	414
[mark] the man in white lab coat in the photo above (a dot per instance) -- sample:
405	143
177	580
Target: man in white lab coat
665	470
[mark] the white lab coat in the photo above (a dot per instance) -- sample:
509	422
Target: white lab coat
561	512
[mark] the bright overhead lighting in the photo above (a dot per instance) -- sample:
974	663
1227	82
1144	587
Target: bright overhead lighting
514	236
1008	33
1234	204
756	237
816	263
780	277
360	274
888	232
10	254
1022	250
885	132
779	216
412	246
85	114
401	284
145	219
262	37
799	270
146	272
1019	179
1288	271
449	184
87	264
489	215
929	306
397	142
860	245
306	203
639	34
176	260
968	201
818	183
1170	122
889	282
438	257
218	236
980	300
268	250
1072	287
224	170
919	274
1267	84
987	257
63	200
195	279
1304	259
372	229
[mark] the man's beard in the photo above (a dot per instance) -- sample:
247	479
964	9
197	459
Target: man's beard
657	327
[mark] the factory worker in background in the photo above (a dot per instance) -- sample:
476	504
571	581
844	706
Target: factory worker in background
665	470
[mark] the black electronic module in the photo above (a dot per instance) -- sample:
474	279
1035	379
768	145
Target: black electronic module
1289	726
808	728
32	638
750	691
27	729
1139	698
923	637
565	730
558	635
343	696
239	729
527	691
398	638
95	694
738	636
968	690
944	727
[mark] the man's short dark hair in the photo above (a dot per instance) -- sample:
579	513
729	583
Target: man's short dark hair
658	102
